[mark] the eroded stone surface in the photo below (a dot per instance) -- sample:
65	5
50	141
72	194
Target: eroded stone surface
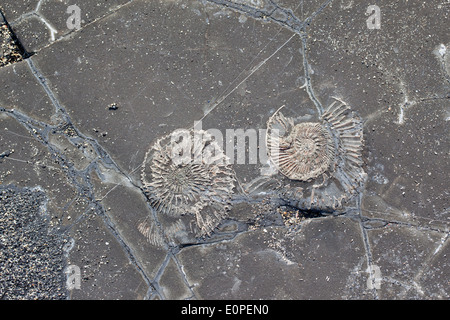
10	50
163	65
32	257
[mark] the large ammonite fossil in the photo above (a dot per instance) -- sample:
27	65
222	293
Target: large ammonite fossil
322	159
187	173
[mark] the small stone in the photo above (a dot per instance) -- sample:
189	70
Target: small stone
113	106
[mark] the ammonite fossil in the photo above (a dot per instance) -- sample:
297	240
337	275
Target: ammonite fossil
303	151
322	159
187	173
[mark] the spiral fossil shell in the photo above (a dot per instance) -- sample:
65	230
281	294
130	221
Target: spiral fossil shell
323	159
305	152
188	176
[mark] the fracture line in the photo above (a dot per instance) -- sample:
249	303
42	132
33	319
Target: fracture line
245	79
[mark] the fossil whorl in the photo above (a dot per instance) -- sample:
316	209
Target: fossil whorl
187	173
348	131
322	159
300	152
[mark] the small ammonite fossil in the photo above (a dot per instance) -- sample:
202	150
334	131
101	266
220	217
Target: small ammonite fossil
187	173
303	152
322	159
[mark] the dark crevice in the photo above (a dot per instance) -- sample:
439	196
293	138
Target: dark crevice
15	51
